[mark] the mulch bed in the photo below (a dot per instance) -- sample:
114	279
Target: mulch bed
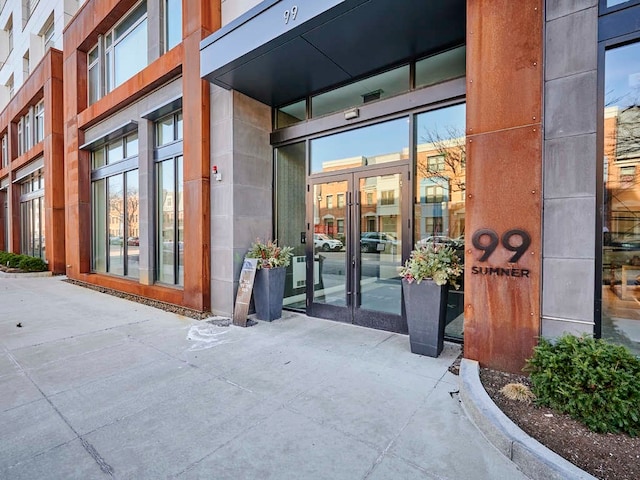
605	456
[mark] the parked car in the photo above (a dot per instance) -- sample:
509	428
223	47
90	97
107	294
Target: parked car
377	242
133	241
326	243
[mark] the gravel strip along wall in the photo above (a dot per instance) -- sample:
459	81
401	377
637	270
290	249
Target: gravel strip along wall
167	307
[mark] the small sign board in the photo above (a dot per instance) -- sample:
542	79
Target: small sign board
245	288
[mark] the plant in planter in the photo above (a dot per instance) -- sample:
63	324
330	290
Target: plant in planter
268	289
426	277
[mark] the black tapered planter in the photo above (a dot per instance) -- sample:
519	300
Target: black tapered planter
268	292
425	305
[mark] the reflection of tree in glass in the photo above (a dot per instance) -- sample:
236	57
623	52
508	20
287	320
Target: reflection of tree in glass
450	147
133	203
116	207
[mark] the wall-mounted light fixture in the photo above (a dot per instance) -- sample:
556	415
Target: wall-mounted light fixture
351	114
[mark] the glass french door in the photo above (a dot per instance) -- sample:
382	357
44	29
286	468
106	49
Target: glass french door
357	224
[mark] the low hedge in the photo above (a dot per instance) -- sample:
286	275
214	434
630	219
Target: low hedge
23	262
594	381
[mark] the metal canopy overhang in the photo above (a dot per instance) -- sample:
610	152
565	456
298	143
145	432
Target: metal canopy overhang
329	42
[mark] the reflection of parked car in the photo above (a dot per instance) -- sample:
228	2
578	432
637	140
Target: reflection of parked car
377	242
441	240
326	243
134	241
115	240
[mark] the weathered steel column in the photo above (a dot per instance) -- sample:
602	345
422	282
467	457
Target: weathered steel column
504	180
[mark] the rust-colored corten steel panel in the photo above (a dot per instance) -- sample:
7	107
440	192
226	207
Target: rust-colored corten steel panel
200	18
504	64
502	306
54	165
92	18
196	108
151	77
504	180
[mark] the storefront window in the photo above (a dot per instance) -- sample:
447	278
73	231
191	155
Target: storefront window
621	212
32	216
115	208
440	191
170	222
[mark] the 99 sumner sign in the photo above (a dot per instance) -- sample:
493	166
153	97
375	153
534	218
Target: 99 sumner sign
487	241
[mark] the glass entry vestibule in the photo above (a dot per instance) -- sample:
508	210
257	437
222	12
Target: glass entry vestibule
358	226
354	203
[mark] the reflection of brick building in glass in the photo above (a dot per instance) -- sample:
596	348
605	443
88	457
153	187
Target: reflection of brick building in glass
441	185
621	222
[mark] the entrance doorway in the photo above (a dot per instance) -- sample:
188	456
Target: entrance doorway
358	222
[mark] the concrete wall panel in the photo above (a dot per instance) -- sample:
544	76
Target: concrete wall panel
570	166
567	235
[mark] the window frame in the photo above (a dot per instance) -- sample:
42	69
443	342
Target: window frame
106	59
122	167
38	122
4	150
170	151
165	30
48	33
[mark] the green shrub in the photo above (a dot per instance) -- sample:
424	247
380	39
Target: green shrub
594	381
4	257
32	264
14	260
23	262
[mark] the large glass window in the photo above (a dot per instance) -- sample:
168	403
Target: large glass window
440	191
115	208
125	53
93	78
9	29
47	34
169	199
373	145
621	210
4	205
428	71
169	129
170	258
5	151
364	91
441	67
21	149
39	122
173	23
32	238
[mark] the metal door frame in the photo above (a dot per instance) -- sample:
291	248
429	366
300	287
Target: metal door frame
351	312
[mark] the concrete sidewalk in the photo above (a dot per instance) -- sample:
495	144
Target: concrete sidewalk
92	386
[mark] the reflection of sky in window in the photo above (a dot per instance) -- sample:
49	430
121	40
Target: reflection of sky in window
611	3
386	137
439	123
622	76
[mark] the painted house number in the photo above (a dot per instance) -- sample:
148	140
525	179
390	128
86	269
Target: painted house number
290	14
